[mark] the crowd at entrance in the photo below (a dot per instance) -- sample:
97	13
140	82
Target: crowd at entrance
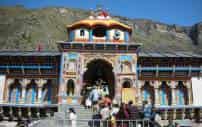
114	115
98	98
124	115
94	95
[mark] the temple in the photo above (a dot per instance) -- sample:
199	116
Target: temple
99	48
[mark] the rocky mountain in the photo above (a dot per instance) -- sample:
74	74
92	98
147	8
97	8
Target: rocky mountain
24	29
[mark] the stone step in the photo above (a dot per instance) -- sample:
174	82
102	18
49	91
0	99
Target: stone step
82	114
8	124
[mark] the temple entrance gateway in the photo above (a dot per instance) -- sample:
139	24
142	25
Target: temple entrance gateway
100	73
98	58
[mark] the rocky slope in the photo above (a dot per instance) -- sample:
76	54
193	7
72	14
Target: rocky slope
24	29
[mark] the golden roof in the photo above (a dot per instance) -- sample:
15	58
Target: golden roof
94	22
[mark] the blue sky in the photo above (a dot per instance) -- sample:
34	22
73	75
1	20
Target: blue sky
181	12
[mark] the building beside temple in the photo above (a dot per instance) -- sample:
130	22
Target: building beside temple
98	48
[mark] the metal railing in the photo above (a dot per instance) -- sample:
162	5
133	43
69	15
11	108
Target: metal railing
92	123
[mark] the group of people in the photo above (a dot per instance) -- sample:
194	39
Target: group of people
95	95
124	115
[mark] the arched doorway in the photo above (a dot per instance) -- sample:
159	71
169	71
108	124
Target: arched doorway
99	72
127	84
70	87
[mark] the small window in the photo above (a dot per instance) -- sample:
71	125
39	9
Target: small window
117	35
82	33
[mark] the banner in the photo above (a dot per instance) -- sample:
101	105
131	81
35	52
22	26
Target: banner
2	84
196	90
128	94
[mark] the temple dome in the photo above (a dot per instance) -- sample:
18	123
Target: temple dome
90	23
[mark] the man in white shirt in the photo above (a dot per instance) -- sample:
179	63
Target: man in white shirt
72	117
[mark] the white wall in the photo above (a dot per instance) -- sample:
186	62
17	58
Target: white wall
2	85
197	91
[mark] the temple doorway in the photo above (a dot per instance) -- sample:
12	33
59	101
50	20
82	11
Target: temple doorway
100	74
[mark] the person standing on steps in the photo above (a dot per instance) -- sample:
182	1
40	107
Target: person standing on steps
94	96
72	117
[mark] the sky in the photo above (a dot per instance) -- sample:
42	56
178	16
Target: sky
181	12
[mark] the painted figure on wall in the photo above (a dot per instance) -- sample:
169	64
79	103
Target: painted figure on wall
72	66
125	64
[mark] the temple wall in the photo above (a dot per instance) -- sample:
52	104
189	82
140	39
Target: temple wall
31	91
165	93
197	88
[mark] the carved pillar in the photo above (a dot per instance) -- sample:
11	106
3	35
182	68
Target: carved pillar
189	91
9	82
24	83
40	84
117	89
63	93
77	89
61	78
156	93
173	85
79	84
139	86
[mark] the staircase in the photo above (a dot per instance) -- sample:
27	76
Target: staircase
83	116
81	111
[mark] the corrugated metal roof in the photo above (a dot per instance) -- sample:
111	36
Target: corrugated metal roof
28	53
174	54
169	55
194	55
141	54
156	54
181	54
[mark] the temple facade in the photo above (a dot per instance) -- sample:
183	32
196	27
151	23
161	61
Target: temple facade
99	48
